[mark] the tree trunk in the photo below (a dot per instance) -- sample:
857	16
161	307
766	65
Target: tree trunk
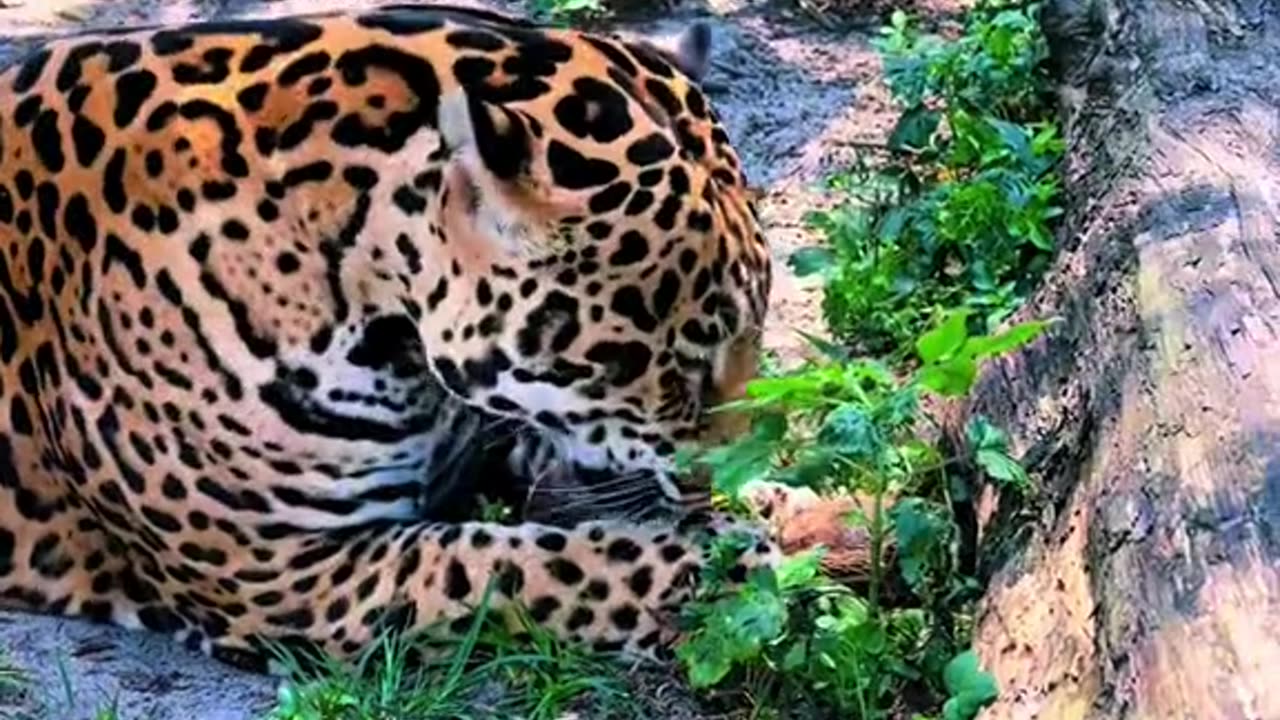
1144	581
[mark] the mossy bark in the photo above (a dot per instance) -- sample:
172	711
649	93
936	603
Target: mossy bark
1144	581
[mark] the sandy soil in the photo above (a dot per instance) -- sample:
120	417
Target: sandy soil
797	97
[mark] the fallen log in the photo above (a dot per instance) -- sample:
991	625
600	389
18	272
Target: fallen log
1144	581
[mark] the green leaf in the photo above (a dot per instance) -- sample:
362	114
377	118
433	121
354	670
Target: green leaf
892	223
1015	137
999	466
922	532
795	657
706	660
770	427
851	432
830	350
810	467
799	388
735	631
950	379
732	471
686	458
982	435
951	356
1009	340
800	570
914	129
944	340
750	458
900	408
971	688
723	554
760	620
811	261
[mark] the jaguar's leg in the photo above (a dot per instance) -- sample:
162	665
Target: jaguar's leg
607	584
56	555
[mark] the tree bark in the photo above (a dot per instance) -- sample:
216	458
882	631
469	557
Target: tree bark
1144	580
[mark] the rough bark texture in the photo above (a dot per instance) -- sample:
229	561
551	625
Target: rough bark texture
1145	581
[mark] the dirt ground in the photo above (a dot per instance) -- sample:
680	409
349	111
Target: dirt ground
797	97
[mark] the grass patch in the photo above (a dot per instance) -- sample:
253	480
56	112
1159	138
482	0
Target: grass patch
490	673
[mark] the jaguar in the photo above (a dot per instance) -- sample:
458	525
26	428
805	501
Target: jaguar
275	293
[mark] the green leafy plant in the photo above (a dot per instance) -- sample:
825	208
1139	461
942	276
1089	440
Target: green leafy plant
959	212
996	65
794	636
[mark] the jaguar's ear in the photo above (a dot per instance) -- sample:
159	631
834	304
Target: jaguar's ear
498	171
689	51
693	50
486	139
